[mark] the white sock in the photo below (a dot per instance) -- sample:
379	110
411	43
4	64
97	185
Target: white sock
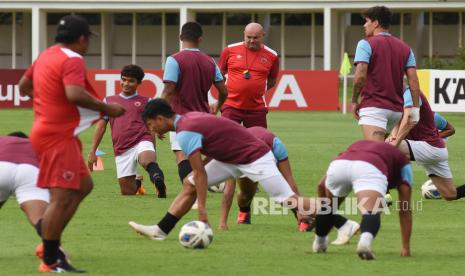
366	238
319	239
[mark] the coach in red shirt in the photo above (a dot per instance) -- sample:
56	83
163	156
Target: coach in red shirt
252	69
64	105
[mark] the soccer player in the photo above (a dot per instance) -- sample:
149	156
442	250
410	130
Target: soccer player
423	144
233	151
64	105
369	168
252	69
281	155
132	142
18	176
189	75
381	61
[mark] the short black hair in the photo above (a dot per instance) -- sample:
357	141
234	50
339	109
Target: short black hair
19	134
133	71
70	28
157	107
381	13
191	31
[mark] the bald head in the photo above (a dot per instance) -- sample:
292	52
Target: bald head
254	36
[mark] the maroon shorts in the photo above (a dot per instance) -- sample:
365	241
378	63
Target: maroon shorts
249	118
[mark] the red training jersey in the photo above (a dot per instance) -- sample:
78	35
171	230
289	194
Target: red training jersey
261	65
55	117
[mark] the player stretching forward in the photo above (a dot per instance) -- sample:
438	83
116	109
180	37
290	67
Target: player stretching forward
132	142
234	151
18	176
280	153
64	105
424	145
369	168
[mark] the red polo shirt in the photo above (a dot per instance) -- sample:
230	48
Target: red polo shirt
236	59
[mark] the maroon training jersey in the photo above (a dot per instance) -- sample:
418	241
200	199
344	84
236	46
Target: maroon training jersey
128	130
196	76
387	158
17	150
386	69
219	138
426	130
263	134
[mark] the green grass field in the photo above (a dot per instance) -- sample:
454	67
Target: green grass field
99	239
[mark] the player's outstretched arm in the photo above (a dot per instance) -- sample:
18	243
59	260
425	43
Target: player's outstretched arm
100	129
26	86
284	167
201	184
79	96
404	127
405	216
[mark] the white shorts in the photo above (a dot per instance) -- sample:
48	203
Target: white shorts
380	117
263	170
174	144
126	163
434	160
20	180
344	175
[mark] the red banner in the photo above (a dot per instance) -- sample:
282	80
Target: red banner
294	90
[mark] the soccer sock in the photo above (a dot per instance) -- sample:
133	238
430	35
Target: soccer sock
460	192
168	222
51	251
294	210
245	209
137	183
371	223
38	227
339	221
324	223
184	169
155	173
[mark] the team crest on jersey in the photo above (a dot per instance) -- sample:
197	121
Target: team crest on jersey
137	104
238	56
68	175
263	60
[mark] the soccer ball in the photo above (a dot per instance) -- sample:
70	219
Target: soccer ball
196	235
219	188
429	190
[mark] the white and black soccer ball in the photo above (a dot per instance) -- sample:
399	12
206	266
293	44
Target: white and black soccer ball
219	188
196	234
429	190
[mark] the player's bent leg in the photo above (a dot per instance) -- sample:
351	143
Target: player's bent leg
370	202
128	185
445	187
248	188
147	159
34	210
373	132
179	207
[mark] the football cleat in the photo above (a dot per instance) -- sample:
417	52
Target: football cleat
61	253
346	232
364	252
307	224
243	218
152	232
61	266
320	244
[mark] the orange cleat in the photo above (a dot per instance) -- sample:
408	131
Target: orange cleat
243	218
58	267
141	190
